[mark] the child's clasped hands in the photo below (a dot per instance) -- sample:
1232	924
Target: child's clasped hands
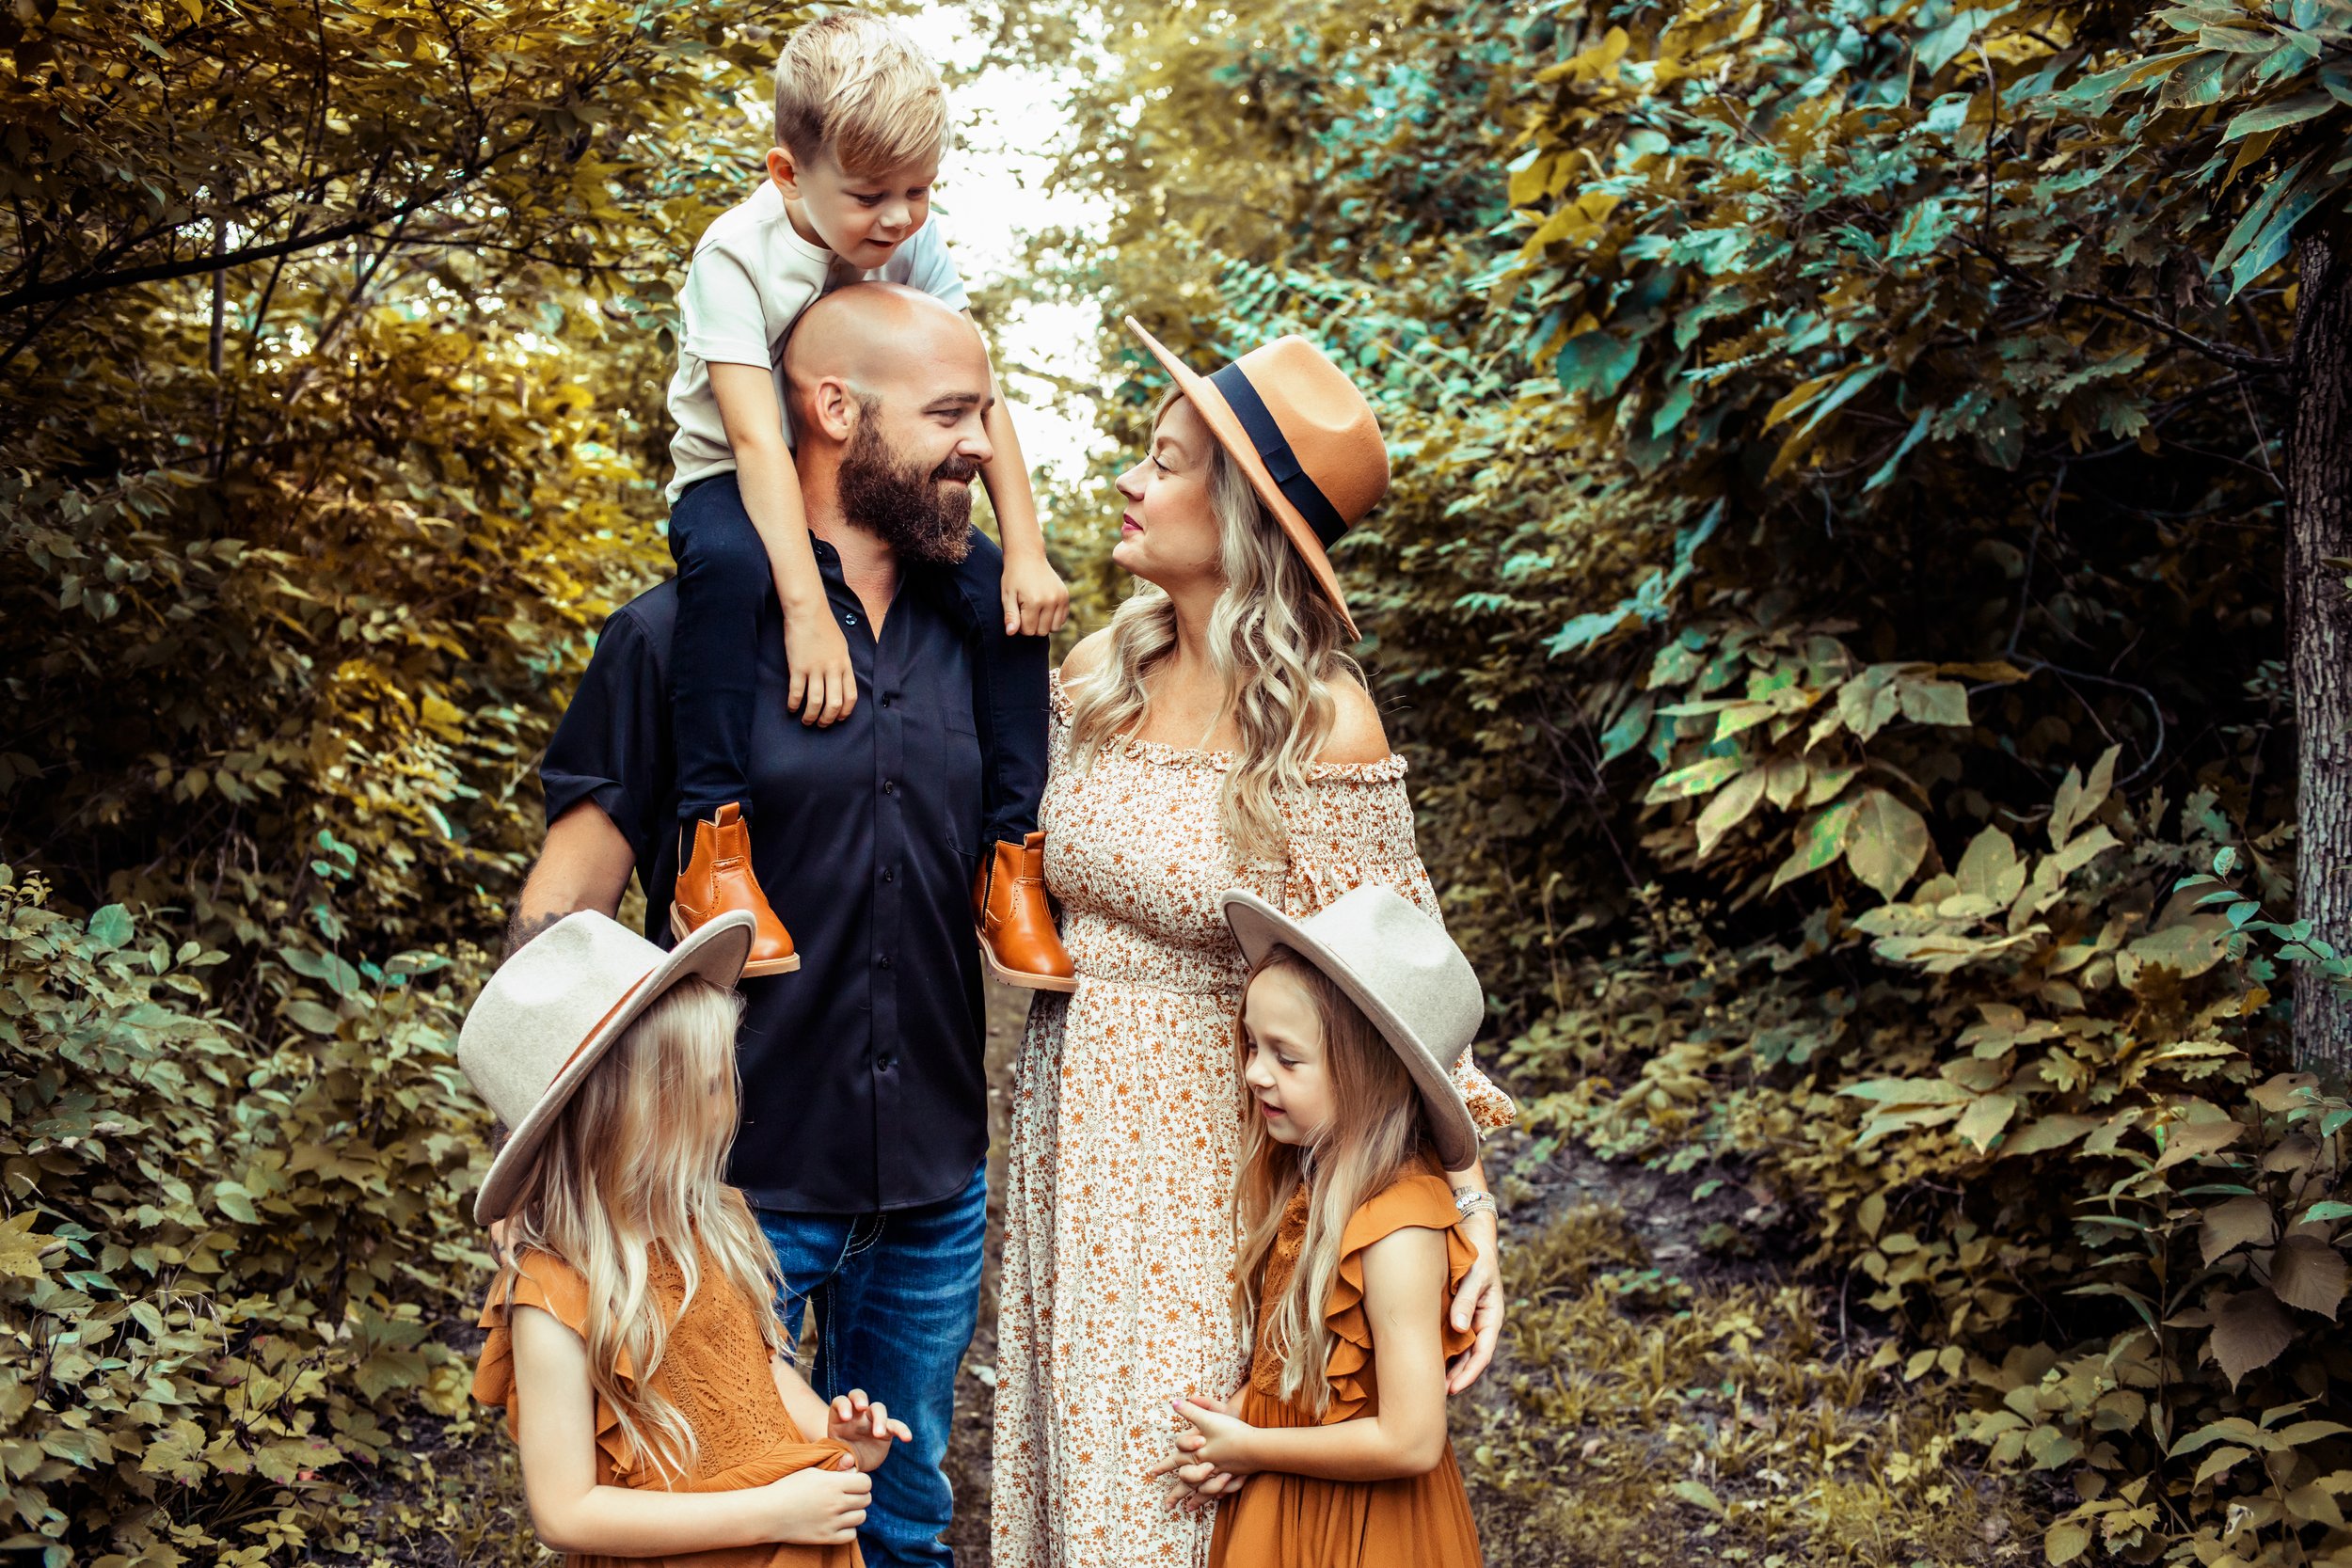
1210	1461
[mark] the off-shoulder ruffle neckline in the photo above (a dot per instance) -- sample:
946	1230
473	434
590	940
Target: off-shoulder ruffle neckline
1388	770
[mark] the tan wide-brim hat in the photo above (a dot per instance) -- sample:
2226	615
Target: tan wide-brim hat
1401	968
553	1010
1302	432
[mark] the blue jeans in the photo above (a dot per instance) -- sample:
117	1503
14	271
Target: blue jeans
896	1297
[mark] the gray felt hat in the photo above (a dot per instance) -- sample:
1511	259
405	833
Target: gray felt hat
553	1009
1401	968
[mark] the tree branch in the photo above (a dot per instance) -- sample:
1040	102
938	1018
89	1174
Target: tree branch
2237	360
81	288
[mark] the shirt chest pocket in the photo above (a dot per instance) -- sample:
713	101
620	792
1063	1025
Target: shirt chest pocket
954	781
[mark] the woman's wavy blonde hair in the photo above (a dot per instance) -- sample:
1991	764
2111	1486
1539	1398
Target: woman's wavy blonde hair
636	1161
1274	639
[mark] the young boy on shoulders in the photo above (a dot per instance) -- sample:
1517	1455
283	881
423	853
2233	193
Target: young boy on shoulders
861	127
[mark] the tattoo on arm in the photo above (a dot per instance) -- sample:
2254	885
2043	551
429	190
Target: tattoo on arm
522	928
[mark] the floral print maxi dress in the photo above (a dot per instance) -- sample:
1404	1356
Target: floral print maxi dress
1118	1264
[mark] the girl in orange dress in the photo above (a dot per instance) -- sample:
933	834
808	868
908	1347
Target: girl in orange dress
1334	1453
632	1336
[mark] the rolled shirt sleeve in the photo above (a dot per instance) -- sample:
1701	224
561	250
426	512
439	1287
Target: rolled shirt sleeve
613	740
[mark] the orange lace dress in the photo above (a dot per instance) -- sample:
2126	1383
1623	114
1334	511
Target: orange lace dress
715	1370
1283	1521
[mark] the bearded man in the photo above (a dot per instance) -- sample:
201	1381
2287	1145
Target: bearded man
864	1127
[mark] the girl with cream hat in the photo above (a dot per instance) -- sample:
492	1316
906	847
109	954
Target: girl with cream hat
632	1336
1349	1246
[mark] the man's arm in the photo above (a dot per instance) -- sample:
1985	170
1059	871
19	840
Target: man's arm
585	865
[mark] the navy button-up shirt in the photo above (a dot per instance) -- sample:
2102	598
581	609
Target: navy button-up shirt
863	1087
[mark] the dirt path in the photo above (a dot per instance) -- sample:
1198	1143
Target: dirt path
975	1389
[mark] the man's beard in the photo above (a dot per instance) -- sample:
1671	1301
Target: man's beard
914	512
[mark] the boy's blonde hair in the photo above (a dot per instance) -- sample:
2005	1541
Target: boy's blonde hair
637	1163
856	85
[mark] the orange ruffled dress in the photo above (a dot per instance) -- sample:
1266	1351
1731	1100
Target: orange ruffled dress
1285	1521
715	1370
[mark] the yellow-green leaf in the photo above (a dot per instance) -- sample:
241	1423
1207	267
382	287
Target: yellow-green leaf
1730	808
1698	1494
1699	778
2051	1132
1821	842
21	1245
2065	1540
1889	841
1982	1121
2218	1462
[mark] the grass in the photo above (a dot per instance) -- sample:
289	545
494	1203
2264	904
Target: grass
1635	1419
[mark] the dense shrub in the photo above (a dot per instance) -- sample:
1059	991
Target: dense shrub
333	339
1831	595
226	1261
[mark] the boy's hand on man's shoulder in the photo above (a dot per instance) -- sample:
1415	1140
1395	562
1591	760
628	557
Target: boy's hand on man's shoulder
823	685
1037	601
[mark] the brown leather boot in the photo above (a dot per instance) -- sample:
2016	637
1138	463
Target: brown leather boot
718	878
1016	926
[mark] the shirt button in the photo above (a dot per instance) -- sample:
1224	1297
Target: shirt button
890	875
889	788
886	702
884	960
886	1064
849	620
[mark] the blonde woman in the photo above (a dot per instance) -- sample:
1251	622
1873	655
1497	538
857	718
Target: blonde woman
1214	734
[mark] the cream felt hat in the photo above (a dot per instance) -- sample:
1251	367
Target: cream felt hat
553	1010
1401	968
1302	432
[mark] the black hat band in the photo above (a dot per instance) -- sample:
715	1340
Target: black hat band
1265	434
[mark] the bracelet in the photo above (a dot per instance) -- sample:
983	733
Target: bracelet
1469	1200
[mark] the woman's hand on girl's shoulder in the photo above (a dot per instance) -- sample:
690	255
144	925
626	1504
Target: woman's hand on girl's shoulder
1357	735
818	1507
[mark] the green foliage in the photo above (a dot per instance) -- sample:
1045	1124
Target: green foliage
1829	592
340	529
226	1262
2059	1112
334	339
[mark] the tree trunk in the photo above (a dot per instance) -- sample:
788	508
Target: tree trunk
2319	633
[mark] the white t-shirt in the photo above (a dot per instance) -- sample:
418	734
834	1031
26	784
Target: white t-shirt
752	276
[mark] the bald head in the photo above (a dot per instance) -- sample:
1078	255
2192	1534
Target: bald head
890	396
883	340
